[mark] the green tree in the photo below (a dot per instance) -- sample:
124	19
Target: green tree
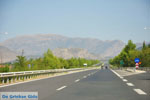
21	63
144	46
129	53
129	46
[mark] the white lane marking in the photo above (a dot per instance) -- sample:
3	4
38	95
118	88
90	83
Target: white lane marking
61	88
89	74
84	76
77	80
130	84
139	91
115	73
125	80
121	77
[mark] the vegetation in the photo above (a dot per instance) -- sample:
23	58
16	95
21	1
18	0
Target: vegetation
4	69
129	53
48	61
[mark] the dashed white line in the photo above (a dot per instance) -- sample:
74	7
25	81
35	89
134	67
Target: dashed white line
121	77
61	88
77	80
116	73
130	84
139	91
125	80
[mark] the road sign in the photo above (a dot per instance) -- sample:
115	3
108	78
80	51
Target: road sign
137	60
137	64
121	62
137	67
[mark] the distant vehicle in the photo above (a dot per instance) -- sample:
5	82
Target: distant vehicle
85	64
106	67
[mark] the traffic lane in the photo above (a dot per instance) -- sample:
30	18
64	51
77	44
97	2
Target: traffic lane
45	87
141	81
103	85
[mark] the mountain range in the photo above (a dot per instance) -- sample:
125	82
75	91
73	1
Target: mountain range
6	54
62	46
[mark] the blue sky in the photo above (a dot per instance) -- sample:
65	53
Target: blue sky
102	19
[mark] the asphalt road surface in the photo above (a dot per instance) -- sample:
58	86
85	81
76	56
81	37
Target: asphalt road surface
88	85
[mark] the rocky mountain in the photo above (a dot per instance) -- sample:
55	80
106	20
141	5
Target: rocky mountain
6	55
35	45
73	52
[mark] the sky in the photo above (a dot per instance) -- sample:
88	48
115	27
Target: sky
102	19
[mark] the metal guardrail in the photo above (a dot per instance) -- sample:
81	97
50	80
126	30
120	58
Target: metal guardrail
36	72
10	77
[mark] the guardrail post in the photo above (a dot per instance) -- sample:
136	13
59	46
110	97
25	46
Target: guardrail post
24	77
15	79
19	78
3	81
12	80
7	80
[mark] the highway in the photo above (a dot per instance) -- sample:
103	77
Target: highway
97	84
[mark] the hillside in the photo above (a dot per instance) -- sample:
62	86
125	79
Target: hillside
6	55
35	45
73	52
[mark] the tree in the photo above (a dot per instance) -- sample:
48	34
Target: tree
49	61
148	45
129	46
129	53
21	63
145	57
144	46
